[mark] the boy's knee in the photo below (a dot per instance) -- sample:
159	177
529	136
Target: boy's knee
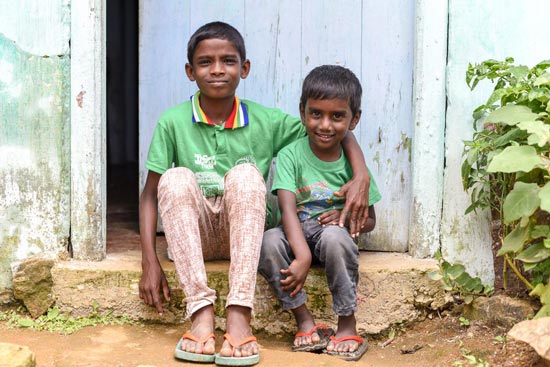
176	181
338	242
246	173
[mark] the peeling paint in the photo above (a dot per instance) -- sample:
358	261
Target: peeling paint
35	179
80	98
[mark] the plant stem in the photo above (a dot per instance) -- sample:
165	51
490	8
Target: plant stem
515	269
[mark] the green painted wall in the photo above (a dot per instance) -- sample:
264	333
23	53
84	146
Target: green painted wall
34	133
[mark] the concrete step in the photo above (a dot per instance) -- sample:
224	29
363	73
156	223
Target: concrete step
393	288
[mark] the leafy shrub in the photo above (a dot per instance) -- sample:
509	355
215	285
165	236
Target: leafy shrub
507	166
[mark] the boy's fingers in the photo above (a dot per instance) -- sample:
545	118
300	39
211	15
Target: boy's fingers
157	303
296	290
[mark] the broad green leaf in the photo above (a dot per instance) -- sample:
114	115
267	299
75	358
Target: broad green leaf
522	201
455	271
516	158
511	114
529	266
544	79
468	299
514	134
463	279
25	322
543	312
472	284
435	275
514	241
519	71
546	243
540	132
534	254
544	195
543	291
496	96
540	231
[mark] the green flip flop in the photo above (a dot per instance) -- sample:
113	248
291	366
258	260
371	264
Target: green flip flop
194	357
237	361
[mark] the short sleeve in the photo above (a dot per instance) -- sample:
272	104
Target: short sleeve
285	172
161	151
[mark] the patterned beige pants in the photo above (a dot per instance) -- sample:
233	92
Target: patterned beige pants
198	229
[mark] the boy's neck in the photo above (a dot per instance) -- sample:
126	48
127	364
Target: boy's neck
217	109
331	155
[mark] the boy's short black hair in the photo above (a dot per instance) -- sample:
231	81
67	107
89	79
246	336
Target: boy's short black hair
219	30
330	82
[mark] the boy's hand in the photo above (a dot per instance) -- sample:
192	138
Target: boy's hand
356	207
152	280
296	275
331	217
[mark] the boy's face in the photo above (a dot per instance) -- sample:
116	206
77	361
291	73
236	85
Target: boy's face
327	122
217	68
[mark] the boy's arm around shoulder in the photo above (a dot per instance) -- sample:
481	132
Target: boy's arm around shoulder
296	273
153	279
356	191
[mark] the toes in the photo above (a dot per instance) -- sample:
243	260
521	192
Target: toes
315	338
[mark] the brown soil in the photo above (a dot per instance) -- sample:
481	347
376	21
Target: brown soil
435	342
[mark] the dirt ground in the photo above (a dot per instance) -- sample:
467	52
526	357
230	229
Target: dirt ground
439	342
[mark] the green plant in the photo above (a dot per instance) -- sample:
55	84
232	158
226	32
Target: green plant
471	358
56	321
464	321
456	279
507	166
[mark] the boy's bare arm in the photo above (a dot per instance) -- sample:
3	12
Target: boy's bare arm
296	273
356	191
153	279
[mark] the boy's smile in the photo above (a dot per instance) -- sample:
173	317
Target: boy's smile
327	122
217	69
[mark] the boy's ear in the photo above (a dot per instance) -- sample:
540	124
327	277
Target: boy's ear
302	112
189	72
245	69
355	120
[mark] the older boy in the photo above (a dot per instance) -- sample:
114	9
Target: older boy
212	203
308	173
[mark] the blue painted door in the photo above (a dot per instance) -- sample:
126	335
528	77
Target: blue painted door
285	40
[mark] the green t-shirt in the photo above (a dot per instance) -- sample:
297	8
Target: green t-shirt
314	181
210	151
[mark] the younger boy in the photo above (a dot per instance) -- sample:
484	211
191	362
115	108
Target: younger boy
212	203
308	173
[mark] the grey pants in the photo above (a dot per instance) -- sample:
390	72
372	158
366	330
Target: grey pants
332	247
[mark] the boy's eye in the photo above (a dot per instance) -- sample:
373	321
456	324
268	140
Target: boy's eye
315	114
204	62
338	116
230	61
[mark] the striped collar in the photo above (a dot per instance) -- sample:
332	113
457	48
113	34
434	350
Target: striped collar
237	118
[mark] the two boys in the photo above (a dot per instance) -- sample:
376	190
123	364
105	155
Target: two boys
212	202
308	173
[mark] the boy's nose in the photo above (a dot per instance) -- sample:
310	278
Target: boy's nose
325	123
217	67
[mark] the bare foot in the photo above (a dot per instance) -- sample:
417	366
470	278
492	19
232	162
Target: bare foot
203	325
346	327
305	322
238	326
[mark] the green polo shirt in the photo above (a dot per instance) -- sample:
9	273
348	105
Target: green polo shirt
210	151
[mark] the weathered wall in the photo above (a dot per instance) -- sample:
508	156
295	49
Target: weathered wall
34	130
479	30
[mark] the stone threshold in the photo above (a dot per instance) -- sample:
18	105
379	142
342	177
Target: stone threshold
393	288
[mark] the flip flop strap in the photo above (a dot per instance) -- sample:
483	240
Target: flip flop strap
356	338
197	340
243	341
313	329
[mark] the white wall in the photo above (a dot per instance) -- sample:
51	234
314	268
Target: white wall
480	30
